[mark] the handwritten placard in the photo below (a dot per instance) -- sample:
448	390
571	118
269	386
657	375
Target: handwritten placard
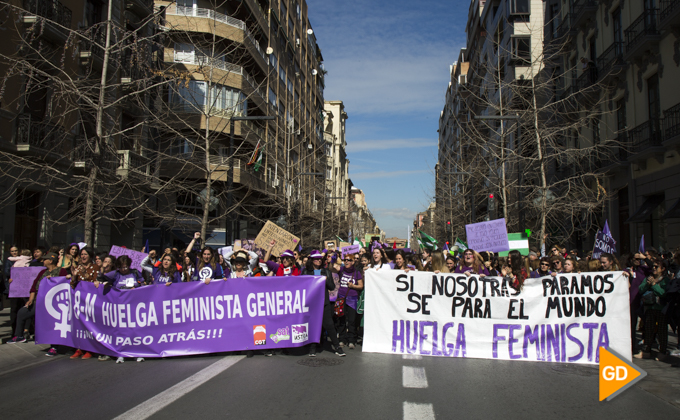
22	280
351	249
225	250
330	245
284	239
488	236
135	256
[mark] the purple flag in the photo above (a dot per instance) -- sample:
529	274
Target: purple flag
641	248
606	230
22	280
185	318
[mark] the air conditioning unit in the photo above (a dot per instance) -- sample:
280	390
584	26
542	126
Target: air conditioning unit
275	182
297	42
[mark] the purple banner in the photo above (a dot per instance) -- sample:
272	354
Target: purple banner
488	236
22	280
136	256
185	318
603	243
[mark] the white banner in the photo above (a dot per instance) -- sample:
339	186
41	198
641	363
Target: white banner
553	319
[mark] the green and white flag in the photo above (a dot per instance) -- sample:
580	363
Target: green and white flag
462	246
428	242
519	242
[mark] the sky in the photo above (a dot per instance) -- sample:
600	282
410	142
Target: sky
388	61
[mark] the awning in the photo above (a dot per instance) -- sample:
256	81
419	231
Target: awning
673	212
645	211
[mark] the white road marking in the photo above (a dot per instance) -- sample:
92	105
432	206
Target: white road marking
411	357
415	411
172	394
414	377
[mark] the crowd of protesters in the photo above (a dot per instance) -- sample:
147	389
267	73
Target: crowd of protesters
654	281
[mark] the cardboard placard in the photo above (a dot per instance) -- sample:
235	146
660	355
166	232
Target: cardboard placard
284	239
330	245
135	256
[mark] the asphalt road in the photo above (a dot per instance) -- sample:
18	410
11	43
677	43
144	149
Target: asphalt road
362	386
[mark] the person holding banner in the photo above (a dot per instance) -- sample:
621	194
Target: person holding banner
86	270
315	268
379	259
515	271
543	268
400	261
570	265
351	282
27	312
470	264
207	268
451	263
123	277
437	263
188	267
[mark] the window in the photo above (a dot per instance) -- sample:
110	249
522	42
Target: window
521	49
519	7
329	173
616	20
595	127
291	25
274	61
555	19
284	10
654	107
282	74
329	149
193	97
290	86
272	97
621	116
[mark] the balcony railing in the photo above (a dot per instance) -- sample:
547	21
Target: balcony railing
646	135
646	24
671	122
39	134
95	42
219	17
203	60
50	9
610	57
582	8
668	7
83	156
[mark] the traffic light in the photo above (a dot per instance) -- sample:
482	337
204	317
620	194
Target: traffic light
492	207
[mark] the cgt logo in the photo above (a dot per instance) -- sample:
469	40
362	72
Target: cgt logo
260	335
616	375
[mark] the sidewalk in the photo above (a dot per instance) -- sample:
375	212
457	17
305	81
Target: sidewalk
18	356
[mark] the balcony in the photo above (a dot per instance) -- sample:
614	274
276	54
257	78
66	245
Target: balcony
131	163
246	37
92	47
643	34
646	141
259	14
584	10
615	156
202	60
58	18
670	13
84	157
671	125
33	134
610	63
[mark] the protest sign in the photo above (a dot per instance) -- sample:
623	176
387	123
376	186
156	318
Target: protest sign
350	249
343	244
284	239
330	245
517	241
553	319
184	318
22	280
135	256
603	243
224	251
488	236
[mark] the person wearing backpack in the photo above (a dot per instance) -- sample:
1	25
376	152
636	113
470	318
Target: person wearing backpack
315	268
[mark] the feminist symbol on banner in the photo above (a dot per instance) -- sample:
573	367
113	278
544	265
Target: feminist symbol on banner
206	272
62	296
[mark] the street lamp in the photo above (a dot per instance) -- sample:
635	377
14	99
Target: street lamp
230	184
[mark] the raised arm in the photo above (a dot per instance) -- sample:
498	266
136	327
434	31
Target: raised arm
269	250
197	236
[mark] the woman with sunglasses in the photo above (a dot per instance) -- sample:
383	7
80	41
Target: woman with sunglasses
287	266
543	268
557	263
470	264
351	283
653	290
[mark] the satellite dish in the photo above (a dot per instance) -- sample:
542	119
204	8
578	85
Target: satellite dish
270	50
314	72
310	31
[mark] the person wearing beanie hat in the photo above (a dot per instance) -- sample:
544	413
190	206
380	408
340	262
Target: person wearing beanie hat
315	268
287	266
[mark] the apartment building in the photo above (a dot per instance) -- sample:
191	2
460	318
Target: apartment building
70	122
215	105
337	164
630	55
